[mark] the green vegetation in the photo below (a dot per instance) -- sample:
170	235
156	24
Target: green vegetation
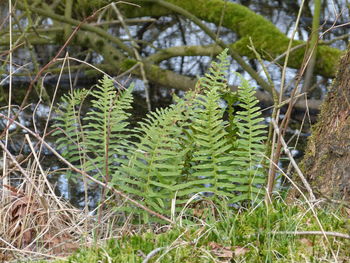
188	182
204	171
176	153
252	235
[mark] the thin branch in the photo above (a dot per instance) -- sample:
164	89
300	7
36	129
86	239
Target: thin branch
286	150
129	21
152	254
137	55
6	179
311	51
321	233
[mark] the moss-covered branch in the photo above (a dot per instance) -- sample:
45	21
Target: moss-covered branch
155	74
235	55
114	66
267	39
184	51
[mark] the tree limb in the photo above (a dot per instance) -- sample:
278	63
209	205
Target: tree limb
213	36
83	26
268	39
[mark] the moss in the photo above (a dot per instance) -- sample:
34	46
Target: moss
127	64
99	44
158	73
59	37
231	231
191	51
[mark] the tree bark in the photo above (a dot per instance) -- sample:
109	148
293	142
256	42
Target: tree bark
327	160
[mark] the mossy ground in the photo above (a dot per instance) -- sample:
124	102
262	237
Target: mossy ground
234	236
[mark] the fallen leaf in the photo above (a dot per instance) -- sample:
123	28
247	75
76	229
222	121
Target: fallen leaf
221	251
214	245
306	242
347	211
240	251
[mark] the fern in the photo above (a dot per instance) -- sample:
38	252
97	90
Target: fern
176	152
210	148
68	123
102	136
208	170
106	131
250	150
156	163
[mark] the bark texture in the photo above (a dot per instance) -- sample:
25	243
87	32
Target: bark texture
327	160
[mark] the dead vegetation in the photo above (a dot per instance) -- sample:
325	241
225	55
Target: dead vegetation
37	223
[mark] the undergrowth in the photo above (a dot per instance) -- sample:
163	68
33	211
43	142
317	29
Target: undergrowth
187	149
198	162
253	235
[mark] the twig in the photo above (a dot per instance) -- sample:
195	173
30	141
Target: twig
276	150
328	233
135	48
129	21
311	51
152	254
42	171
286	150
8	123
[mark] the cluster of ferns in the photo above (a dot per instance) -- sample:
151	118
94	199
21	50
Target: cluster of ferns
208	144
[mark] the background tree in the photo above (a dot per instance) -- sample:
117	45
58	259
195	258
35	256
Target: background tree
327	160
132	37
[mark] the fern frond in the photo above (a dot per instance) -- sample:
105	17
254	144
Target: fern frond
106	129
250	148
69	127
216	78
156	163
209	163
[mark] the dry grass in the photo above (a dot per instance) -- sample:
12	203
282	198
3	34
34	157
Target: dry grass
36	223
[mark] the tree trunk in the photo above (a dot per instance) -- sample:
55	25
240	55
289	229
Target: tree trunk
326	164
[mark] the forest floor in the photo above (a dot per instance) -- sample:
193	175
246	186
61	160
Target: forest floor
297	232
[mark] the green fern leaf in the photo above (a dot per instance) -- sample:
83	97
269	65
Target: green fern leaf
250	148
106	129
69	127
